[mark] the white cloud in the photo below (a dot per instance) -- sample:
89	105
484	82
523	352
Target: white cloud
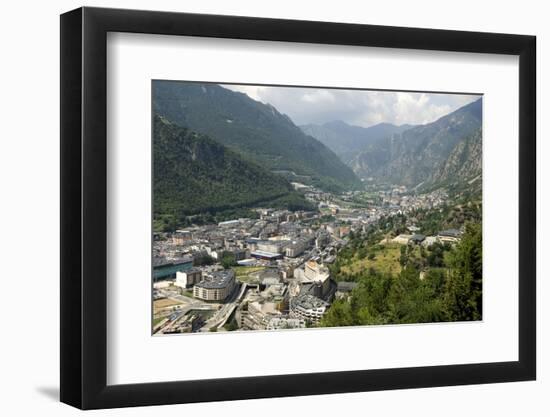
252	91
318	97
359	107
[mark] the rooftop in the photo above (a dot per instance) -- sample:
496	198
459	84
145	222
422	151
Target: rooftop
450	233
229	222
264	254
418	237
403	236
219	279
160	262
308	301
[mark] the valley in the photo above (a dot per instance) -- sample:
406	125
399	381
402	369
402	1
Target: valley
263	224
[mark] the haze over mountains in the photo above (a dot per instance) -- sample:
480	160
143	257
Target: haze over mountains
346	140
256	131
217	150
448	149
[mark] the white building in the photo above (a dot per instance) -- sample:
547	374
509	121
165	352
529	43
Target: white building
296	248
316	272
429	241
162	284
402	239
308	307
229	223
215	286
313	272
188	278
270	246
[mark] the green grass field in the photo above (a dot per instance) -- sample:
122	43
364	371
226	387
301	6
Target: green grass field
247	273
386	259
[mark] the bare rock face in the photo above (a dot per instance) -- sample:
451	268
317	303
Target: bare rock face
448	149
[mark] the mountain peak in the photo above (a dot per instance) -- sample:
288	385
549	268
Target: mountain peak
347	140
335	123
475	108
257	131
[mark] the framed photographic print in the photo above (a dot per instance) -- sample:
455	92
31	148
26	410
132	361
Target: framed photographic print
257	208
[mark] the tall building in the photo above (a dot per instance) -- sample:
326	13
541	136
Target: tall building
315	276
296	248
270	246
215	286
315	272
308	307
188	278
164	269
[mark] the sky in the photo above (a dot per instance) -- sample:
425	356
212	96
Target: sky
356	107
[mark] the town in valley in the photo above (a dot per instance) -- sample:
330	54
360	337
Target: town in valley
280	208
273	271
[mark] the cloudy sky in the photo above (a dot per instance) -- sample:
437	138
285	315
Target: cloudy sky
361	108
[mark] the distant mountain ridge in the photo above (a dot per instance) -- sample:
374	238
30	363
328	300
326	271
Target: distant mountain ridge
256	131
347	140
448	149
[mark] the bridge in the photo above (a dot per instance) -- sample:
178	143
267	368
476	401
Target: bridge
220	318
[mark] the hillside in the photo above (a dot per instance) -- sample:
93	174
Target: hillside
463	164
194	175
256	131
441	283
347	140
429	153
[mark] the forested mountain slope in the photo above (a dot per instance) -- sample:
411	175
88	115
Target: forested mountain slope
256	131
194	174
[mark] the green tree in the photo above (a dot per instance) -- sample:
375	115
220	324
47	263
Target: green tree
339	314
403	257
231	326
203	259
463	300
228	260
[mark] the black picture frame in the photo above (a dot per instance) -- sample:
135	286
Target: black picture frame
84	207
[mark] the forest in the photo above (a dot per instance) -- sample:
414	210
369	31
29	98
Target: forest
447	286
197	180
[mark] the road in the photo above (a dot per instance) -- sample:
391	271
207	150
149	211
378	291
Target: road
189	304
222	315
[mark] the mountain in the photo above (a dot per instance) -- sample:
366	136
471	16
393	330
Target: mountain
194	174
347	140
464	161
257	131
429	153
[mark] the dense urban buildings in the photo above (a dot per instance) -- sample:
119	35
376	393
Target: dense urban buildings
270	272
